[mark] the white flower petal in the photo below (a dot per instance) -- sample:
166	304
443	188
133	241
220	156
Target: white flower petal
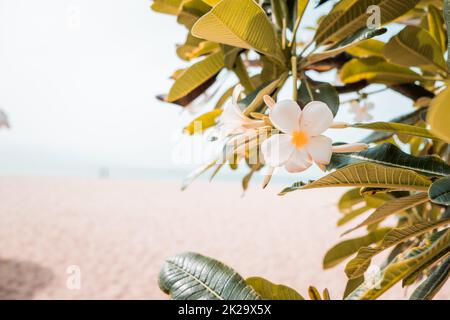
299	161
277	150
285	116
320	149
316	118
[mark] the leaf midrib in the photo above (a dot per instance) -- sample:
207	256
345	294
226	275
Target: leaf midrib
217	295
394	165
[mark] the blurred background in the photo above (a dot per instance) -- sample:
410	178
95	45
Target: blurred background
78	80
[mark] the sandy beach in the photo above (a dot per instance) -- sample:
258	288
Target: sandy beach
118	232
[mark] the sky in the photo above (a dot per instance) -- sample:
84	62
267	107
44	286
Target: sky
78	80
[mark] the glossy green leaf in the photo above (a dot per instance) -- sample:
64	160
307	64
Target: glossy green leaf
440	191
439	115
409	118
351	215
350	198
191	11
368	175
390	155
349	16
358	40
376	70
203	122
191	276
396	128
270	291
321	91
196	75
239	23
345	249
314	293
436	27
212	3
358	265
437	278
166	6
415	46
392	207
398	269
194	48
368	48
447	22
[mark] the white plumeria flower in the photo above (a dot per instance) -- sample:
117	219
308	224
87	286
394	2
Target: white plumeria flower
233	121
302	142
361	111
3	120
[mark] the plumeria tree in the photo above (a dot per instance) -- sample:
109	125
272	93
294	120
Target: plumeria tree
400	170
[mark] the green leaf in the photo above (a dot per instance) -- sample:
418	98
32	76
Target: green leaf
415	46
269	291
196	75
254	100
212	3
440	191
358	265
166	6
416	272
349	16
191	276
397	128
301	8
321	91
194	48
376	70
447	22
345	249
239	23
191	11
351	285
203	122
439	115
437	278
350	198
394	206
410	118
368	175
224	98
436	27
390	155
351	215
360	38
368	48
399	269
314	293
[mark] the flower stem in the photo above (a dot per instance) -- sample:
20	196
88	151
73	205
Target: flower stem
308	87
294	77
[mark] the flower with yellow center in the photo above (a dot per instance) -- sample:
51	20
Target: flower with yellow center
301	142
361	111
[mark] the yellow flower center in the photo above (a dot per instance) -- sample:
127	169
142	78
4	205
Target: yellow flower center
299	139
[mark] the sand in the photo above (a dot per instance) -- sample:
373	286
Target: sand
119	232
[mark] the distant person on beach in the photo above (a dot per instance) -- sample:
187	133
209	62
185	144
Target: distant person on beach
4	120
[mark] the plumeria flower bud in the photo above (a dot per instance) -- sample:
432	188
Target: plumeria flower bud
233	121
301	142
361	111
